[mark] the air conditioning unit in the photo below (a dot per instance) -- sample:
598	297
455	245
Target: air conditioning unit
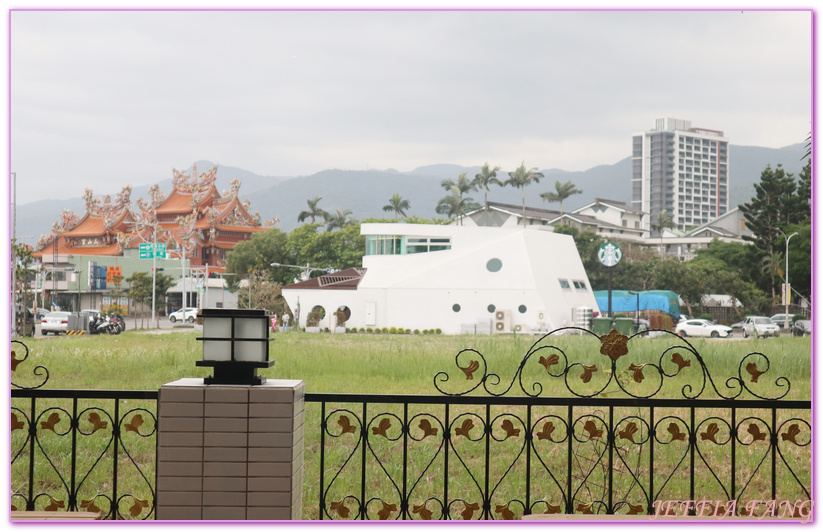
502	321
518	328
541	316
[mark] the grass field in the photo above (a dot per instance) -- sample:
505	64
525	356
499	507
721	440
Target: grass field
407	364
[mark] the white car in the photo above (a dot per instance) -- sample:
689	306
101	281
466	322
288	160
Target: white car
702	328
54	322
758	326
187	316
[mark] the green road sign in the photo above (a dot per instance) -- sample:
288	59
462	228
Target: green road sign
146	251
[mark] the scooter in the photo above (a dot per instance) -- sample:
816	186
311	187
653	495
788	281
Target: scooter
104	325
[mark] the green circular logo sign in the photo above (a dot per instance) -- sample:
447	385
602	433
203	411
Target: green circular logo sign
609	254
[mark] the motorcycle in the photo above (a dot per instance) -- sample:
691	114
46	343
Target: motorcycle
104	325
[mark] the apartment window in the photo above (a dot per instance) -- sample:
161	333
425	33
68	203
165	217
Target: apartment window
580	285
564	284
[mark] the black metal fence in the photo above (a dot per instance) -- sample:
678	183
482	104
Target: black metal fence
511	452
483	448
89	450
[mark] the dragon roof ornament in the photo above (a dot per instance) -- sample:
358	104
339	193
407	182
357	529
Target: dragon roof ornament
104	208
192	183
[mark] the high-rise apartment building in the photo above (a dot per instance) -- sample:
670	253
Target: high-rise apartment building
681	169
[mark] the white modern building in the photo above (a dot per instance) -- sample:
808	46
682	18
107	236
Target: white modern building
681	169
454	278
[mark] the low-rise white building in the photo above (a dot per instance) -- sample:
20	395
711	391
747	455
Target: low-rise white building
453	278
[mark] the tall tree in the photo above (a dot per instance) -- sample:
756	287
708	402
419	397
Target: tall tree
664	221
521	178
338	220
772	267
486	177
314	211
257	253
454	205
776	205
562	191
398	205
463	183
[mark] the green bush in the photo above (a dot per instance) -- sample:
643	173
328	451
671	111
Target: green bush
384	330
417	331
438	331
708	317
408	331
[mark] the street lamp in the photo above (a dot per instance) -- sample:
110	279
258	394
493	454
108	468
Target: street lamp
306	270
788	290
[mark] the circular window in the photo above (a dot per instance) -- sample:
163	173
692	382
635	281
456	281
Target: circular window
456	307
522	309
343	314
317	313
491	308
494	265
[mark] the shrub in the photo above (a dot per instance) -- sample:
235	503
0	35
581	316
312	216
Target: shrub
408	331
438	331
417	331
384	330
369	330
708	317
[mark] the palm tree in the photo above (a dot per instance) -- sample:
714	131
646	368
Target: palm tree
462	183
313	212
398	205
520	178
486	177
564	191
454	205
663	222
772	266
339	220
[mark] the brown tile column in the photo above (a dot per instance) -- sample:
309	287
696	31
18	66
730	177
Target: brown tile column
230	452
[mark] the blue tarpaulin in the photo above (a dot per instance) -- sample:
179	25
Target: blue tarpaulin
623	301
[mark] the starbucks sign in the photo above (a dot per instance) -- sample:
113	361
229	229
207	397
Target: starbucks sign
609	254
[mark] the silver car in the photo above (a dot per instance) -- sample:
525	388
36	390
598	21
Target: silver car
55	323
759	326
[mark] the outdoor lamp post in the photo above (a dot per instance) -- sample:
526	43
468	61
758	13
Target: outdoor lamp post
235	344
788	290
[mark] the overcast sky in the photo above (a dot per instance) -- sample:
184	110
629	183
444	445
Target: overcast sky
104	99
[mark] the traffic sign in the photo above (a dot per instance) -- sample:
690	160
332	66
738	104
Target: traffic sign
146	251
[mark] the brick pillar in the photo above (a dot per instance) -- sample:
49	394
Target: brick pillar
230	452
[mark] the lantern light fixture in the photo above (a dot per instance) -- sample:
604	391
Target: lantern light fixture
235	344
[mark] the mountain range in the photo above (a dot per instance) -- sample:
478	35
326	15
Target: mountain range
365	192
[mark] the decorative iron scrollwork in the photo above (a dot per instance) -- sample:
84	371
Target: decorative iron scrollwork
17	348
673	361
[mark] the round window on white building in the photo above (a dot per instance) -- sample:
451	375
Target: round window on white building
494	265
456	307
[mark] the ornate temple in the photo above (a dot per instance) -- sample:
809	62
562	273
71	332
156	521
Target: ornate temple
194	220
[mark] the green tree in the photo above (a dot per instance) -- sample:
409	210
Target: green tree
562	191
338	249
463	183
454	205
776	205
521	178
482	180
313	212
398	205
664	221
140	291
338	220
800	258
771	264
258	253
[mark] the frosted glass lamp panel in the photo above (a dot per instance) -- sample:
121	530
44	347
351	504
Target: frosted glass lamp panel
250	351
216	328
250	328
216	350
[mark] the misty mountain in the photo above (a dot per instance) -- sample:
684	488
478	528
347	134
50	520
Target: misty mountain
365	192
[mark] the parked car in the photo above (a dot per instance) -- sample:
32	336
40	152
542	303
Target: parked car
781	319
736	326
802	327
702	328
55	323
187	316
758	326
39	313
